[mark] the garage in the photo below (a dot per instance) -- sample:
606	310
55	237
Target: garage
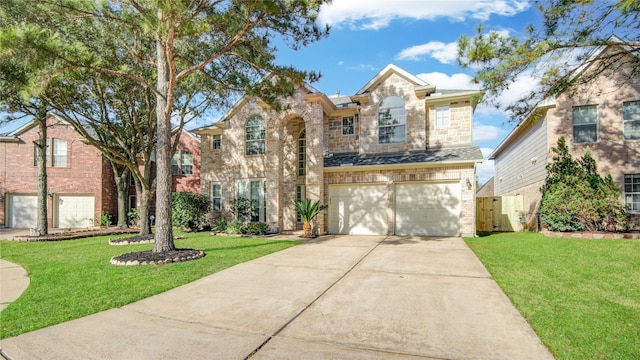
74	211
23	211
429	209
359	209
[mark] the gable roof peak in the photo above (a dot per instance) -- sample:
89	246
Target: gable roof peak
388	70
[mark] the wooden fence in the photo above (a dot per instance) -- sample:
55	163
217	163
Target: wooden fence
500	213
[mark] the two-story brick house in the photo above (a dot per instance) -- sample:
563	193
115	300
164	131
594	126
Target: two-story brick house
602	115
395	158
80	184
80	181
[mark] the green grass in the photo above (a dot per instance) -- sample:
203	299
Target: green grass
581	296
71	279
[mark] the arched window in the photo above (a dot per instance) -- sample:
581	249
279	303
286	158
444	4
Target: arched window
392	121
254	135
302	154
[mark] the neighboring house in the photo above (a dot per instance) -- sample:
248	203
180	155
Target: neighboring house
394	158
80	181
602	116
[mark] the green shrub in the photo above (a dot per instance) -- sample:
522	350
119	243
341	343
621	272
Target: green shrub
258	228
576	198
221	225
241	208
189	210
105	219
234	227
133	215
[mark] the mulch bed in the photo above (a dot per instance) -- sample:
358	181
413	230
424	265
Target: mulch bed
80	234
151	258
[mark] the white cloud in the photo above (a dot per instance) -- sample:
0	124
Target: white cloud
485	170
445	53
444	81
377	14
483	132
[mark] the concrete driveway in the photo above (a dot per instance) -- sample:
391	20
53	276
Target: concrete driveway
336	297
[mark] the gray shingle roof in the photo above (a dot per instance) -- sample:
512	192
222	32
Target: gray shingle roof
442	155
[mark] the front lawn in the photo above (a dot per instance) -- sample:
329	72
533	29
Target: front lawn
581	296
71	279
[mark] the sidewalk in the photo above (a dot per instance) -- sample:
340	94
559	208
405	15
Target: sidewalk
13	282
336	297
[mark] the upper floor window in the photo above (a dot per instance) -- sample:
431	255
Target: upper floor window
56	154
585	124
631	116
254	135
392	121
632	192
216	142
347	125
216	197
442	116
59	153
182	163
302	154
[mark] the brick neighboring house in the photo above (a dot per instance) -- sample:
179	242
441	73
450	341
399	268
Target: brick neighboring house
185	170
395	158
602	116
80	181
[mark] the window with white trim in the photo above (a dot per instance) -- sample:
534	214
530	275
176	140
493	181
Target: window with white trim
392	121
216	142
254	136
302	154
443	116
59	153
56	151
216	197
300	196
585	124
255	190
631	117
632	192
182	163
347	125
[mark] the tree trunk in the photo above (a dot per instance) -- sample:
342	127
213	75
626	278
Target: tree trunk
164	231
120	174
145	200
42	228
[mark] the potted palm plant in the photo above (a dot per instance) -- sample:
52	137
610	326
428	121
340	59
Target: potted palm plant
308	211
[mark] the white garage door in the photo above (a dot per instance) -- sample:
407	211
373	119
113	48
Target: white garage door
23	211
427	209
75	211
358	209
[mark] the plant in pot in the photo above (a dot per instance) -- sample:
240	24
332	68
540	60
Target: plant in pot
308	211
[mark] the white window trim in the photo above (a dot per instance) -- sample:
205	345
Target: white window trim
597	124
353	125
213	141
213	197
624	121
632	176
401	115
446	118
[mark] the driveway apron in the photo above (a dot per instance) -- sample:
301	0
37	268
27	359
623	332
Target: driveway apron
336	297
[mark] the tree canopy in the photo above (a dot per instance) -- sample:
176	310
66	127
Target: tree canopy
172	47
571	31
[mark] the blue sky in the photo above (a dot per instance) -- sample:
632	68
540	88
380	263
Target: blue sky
419	36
